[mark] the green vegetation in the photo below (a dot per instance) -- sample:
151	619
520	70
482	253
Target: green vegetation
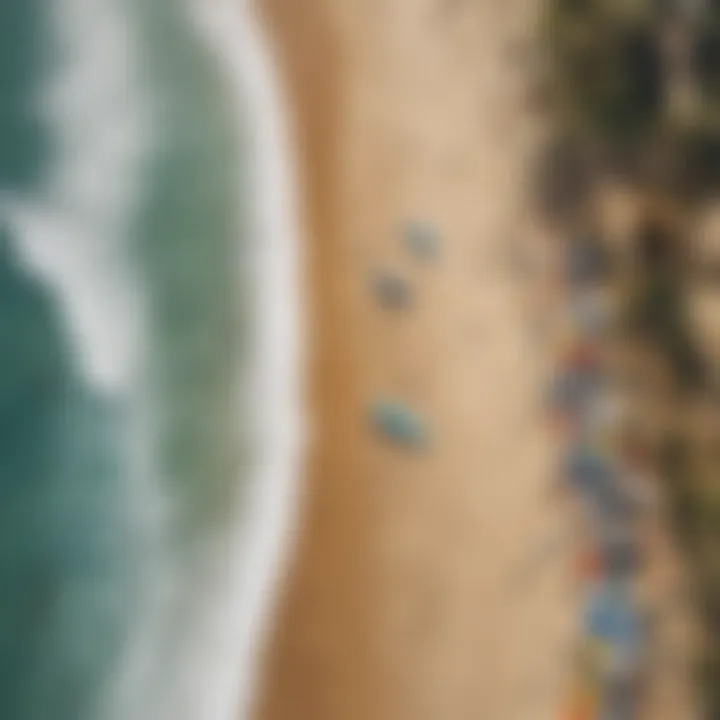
605	71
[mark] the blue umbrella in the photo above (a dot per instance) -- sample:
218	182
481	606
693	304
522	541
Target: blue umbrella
422	240
613	617
399	423
588	470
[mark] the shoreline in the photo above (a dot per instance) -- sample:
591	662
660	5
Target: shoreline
318	654
271	391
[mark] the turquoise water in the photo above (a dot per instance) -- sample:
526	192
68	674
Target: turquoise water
191	260
62	563
75	561
25	142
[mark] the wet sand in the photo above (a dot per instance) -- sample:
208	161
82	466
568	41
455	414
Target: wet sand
403	601
318	658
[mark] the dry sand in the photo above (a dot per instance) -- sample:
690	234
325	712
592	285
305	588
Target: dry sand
401	602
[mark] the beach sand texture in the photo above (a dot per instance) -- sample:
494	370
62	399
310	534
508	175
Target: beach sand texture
403	599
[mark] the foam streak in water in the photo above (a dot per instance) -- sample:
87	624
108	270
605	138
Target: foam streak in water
273	390
73	233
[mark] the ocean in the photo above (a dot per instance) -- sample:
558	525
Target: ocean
149	393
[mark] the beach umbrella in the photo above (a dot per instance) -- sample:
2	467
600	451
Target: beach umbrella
599	482
613	618
391	290
587	470
422	240
397	422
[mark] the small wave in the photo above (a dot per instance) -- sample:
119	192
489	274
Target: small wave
272	390
76	233
72	231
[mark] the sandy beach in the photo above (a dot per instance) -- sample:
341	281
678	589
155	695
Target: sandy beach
319	651
403	601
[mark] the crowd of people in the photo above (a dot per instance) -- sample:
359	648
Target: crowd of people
606	480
